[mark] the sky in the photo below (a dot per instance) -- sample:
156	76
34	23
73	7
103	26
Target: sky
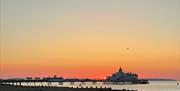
90	38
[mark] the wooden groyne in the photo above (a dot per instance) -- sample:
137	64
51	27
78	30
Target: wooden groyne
4	87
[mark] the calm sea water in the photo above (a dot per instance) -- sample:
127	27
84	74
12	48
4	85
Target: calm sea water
153	86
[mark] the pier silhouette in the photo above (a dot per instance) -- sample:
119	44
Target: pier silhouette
117	78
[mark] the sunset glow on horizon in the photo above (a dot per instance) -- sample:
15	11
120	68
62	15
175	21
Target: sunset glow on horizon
90	38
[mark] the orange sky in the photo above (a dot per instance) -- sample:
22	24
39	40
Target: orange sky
90	39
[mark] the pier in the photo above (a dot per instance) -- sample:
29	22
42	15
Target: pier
37	85
49	83
46	88
117	78
58	83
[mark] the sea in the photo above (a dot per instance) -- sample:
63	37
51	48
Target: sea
152	86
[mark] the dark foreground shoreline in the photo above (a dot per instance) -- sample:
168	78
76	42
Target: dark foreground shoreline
30	88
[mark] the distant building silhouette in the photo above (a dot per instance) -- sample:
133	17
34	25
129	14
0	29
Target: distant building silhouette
120	69
122	76
54	78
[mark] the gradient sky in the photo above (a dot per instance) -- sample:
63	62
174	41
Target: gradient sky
89	38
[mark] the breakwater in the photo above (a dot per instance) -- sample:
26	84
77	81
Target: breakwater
5	87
